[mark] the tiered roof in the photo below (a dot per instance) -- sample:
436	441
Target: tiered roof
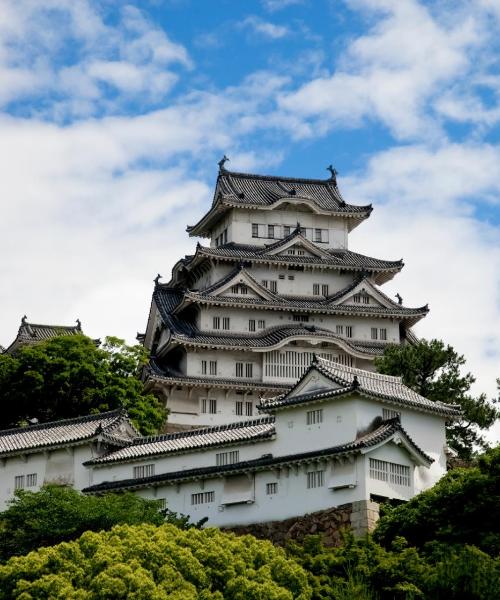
245	190
113	427
349	379
31	333
384	432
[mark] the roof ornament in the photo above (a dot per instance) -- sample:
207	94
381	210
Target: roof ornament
334	174
157	279
78	325
292	192
222	162
24	320
400	300
355	382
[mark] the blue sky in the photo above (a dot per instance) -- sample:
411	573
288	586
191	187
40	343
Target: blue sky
113	116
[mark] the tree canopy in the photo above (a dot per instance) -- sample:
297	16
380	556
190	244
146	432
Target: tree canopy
70	376
462	508
58	514
433	369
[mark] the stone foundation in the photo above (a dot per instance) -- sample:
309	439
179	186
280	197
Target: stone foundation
360	517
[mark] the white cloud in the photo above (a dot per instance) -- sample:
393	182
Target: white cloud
264	28
275	5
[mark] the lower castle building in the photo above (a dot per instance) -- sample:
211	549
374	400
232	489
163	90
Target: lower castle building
340	435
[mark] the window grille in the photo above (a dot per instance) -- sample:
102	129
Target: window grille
31	480
227	458
301	253
314	416
390	472
316	289
249	370
383	334
286	230
324	289
265	283
202	498
374	333
239	369
281	277
272	488
203	367
251	325
317	235
262	324
216	323
290	364
212	406
213	367
162	503
366	299
348	331
357	298
255	230
273	286
300	318
291	277
249	409
239	408
19	482
224	236
234	289
144	471
270	231
339	329
243	289
225	322
315	479
291	252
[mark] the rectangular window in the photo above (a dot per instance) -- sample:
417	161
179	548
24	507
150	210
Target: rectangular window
262	324
301	253
265	283
249	409
234	289
144	471
227	458
213	367
225	236
212	406
255	230
202	498
387	413
324	289
339	329
272	488
281	277
314	416
348	331
243	289
239	369
249	370
251	325
216	323
374	333
31	480
316	289
239	408
270	231
315	479
317	235
391	472
286	230
291	252
19	482
366	299
300	318
225	322
203	367
383	334
357	298
273	286
291	277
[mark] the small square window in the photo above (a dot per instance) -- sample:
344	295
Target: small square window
272	488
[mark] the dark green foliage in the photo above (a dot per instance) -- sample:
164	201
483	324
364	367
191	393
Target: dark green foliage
156	563
462	508
57	513
434	370
69	376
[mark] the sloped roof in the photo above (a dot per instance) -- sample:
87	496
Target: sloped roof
349	379
248	190
384	432
196	439
31	333
23	440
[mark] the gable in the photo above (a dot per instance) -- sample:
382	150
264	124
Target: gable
241	285
314	382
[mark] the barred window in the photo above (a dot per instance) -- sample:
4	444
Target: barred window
291	277
31	480
213	367
249	409
383	334
300	318
239	408
366	299
144	471
274	286
255	230
270	231
262	324
348	331
234	289
239	369
390	472
357	298
324	289
272	488
227	458
315	479
225	322
281	276
251	325
249	370
286	230
216	323
265	283
212	406
317	235
316	289
202	498
339	329
203	367
374	333
314	416
243	289
19	482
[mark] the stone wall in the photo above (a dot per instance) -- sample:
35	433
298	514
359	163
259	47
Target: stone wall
360	517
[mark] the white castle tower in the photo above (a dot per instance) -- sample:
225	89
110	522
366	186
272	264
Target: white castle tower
242	318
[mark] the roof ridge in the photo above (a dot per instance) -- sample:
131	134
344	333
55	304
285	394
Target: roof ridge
366	374
61	422
203	430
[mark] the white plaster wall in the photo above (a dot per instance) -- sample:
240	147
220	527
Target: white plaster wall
394	454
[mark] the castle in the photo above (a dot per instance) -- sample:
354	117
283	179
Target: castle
262	346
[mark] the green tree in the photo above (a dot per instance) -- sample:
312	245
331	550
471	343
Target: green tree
156	563
433	369
57	514
69	376
462	508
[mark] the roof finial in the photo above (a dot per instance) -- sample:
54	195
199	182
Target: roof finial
222	162
334	174
157	279
400	300
24	320
78	324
